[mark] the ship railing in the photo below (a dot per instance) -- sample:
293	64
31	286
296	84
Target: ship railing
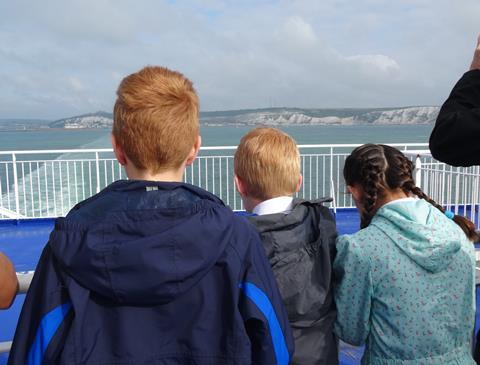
48	183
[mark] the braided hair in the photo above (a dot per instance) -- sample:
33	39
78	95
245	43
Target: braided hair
379	168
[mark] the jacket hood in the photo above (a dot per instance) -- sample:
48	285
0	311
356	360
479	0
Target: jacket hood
143	243
421	231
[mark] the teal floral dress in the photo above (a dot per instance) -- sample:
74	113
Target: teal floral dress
406	287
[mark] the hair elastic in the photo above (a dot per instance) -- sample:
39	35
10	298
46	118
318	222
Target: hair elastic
449	214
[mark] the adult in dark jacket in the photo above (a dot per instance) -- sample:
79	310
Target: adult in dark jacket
455	138
152	270
298	237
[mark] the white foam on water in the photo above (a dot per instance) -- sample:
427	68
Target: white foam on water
52	186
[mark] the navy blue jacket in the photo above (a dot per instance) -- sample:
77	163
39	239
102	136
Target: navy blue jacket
153	273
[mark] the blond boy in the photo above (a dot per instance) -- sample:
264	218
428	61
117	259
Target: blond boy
298	237
152	270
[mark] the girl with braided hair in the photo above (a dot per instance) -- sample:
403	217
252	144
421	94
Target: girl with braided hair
406	280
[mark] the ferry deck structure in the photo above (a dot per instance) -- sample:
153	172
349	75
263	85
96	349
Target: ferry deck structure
38	186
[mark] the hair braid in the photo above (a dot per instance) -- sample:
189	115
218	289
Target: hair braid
465	224
409	186
370	198
373	177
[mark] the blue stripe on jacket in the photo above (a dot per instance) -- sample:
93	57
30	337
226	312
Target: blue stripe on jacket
257	296
45	332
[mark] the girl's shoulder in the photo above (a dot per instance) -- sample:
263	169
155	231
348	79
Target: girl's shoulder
363	239
362	245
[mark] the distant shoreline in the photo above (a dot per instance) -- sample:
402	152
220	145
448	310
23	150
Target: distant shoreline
3	130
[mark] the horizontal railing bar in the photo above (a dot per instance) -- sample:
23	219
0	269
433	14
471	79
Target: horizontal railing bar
215	156
423	153
24	281
449	172
205	148
60	160
345	145
5	347
36	152
324	154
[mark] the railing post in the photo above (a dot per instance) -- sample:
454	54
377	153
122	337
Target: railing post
15	183
334	201
331	173
457	191
97	167
418	172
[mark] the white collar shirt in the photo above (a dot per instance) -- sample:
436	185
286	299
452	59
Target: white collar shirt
282	204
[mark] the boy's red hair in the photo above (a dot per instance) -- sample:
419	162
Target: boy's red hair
155	118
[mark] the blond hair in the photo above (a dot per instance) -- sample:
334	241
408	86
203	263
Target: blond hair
155	118
268	163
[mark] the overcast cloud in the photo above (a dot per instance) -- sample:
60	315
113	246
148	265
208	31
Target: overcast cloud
61	58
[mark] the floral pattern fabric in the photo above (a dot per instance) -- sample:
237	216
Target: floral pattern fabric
405	287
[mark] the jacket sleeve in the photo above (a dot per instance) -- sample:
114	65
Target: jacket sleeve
328	232
262	309
454	139
353	292
45	318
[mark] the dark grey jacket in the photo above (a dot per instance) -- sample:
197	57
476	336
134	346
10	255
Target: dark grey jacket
301	247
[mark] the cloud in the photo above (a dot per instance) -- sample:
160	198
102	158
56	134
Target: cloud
60	58
76	84
299	31
375	64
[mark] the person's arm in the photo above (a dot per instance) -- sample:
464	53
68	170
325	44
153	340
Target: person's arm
353	292
8	282
454	139
262	309
476	57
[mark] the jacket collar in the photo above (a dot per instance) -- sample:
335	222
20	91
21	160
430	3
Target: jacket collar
145	185
300	209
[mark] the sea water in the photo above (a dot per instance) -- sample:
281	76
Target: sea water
51	187
221	136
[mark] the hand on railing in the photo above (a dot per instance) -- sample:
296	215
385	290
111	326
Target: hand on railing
476	57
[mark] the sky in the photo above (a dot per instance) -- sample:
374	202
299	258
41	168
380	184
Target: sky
62	58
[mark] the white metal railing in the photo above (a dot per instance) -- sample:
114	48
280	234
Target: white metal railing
48	183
